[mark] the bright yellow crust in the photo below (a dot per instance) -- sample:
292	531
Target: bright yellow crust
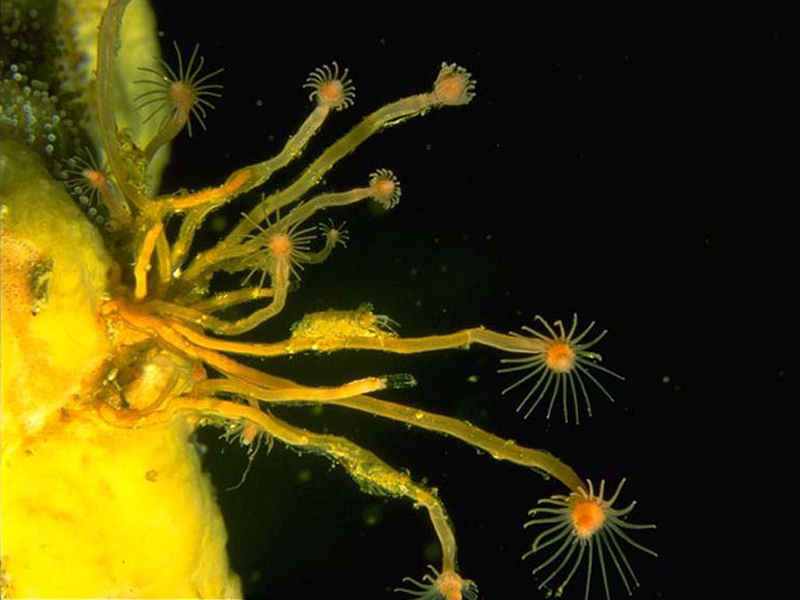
88	509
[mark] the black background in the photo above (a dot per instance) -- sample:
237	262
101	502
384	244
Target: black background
621	164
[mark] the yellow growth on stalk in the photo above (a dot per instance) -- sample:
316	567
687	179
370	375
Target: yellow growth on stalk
114	351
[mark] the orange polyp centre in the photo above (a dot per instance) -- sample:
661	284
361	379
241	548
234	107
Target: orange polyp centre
449	585
331	92
182	95
560	357
451	88
384	188
280	245
95	178
249	434
587	517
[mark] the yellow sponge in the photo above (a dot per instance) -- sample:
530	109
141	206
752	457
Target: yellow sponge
87	509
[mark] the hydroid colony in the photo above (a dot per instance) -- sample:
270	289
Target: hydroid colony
141	347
